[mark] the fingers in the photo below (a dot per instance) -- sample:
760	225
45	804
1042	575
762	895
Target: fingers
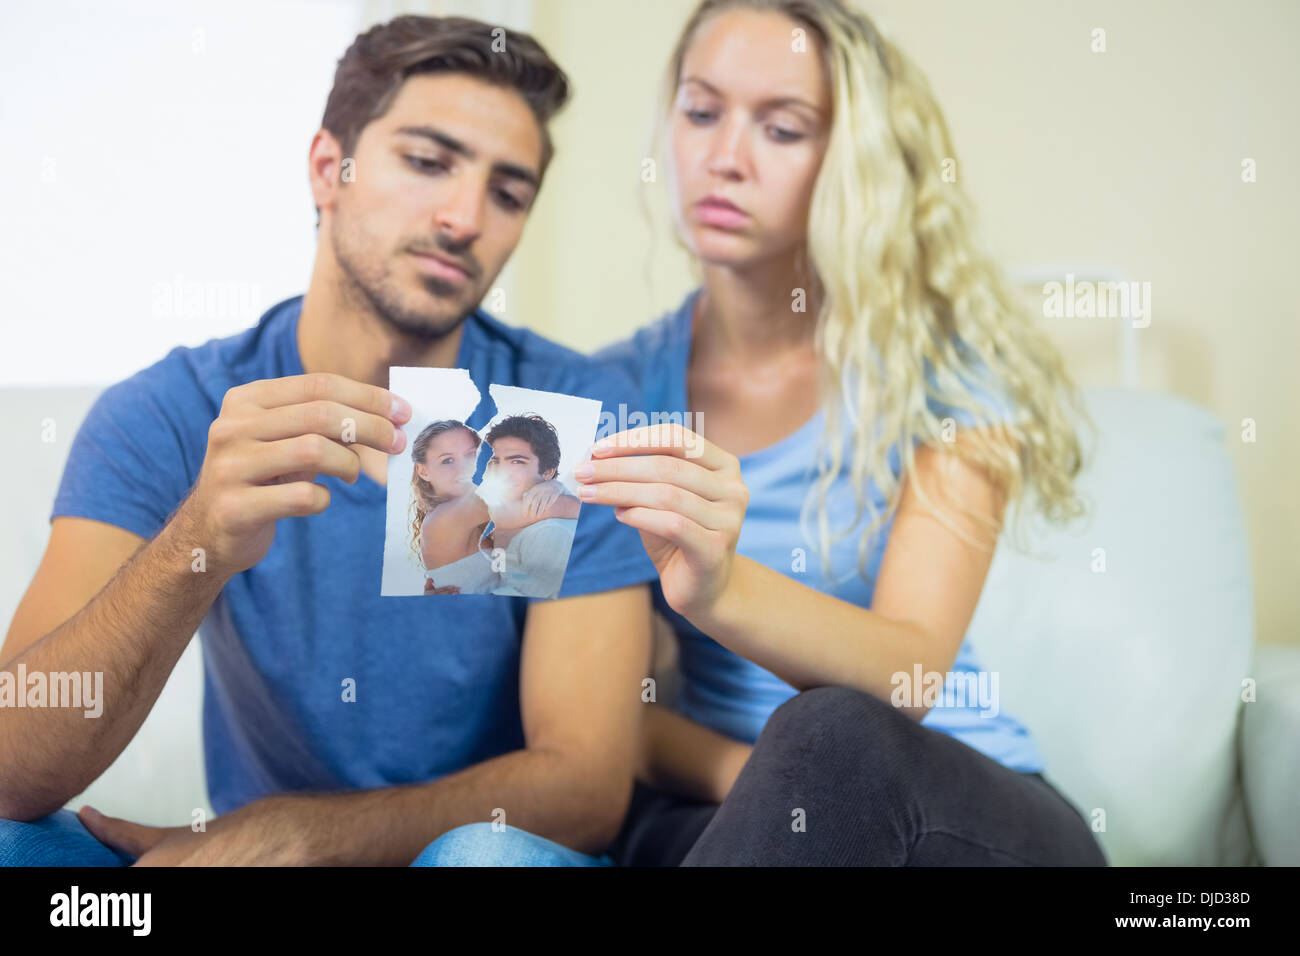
300	457
663	497
692	539
666	439
333	420
244	510
133	838
687	475
317	386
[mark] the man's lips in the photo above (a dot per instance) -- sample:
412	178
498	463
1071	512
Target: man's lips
444	267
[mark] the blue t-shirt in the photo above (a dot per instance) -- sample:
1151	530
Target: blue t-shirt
436	678
719	688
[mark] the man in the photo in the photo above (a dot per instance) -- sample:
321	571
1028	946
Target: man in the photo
526	454
239	487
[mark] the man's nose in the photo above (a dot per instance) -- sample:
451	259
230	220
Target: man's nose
460	218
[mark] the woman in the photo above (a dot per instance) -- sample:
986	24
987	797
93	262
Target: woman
447	516
870	398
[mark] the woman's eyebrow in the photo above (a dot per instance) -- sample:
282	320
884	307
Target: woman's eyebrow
775	102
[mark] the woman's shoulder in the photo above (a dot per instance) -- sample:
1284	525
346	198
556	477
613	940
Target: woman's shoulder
656	354
459	509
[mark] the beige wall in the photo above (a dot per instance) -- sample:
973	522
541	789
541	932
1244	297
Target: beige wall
1129	158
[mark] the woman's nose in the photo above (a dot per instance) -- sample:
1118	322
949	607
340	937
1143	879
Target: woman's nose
727	156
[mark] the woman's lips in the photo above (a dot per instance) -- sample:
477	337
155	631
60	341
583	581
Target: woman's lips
720	214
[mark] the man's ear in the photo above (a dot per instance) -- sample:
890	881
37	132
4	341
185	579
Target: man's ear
325	168
553	473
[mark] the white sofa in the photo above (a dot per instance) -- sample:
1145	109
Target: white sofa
1131	679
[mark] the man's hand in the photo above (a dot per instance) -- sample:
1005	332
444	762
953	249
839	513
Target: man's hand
265	449
268	832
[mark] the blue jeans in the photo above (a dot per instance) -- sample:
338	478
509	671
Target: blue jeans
56	840
478	844
61	840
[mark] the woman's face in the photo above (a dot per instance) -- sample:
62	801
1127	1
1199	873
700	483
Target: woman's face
749	128
449	463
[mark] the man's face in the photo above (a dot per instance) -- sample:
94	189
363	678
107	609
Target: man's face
441	188
514	465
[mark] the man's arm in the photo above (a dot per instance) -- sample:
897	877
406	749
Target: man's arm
580	692
131	629
134	628
580	696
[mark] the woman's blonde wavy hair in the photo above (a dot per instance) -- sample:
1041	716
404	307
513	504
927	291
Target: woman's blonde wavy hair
900	282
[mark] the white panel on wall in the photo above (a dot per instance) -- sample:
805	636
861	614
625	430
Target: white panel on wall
153	174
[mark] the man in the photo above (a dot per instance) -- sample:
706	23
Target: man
239	487
525	454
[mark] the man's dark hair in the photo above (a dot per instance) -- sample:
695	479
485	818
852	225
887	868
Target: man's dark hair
373	68
538	432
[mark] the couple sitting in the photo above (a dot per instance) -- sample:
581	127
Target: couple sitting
844	318
532	516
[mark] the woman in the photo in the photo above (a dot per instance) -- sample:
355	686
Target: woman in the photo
448	517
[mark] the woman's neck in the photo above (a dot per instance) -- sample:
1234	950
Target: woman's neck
749	316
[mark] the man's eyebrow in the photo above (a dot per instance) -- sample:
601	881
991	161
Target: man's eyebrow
775	101
510	170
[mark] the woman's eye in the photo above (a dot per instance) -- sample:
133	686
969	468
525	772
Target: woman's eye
783	135
425	164
699	117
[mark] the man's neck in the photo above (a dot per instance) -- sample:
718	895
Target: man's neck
346	337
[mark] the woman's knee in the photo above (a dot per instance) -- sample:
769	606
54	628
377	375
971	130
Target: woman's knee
488	844
836	718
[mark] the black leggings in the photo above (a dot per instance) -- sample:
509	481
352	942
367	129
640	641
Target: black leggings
839	777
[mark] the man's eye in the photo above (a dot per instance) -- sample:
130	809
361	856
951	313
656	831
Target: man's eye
425	164
508	200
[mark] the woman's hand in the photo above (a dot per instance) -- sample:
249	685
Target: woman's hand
431	588
686	497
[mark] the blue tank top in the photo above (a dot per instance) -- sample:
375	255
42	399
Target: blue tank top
730	694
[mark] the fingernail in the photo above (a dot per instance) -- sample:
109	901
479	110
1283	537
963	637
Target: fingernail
587	491
585	470
399	440
400	410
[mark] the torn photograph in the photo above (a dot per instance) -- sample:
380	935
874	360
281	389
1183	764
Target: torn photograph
483	511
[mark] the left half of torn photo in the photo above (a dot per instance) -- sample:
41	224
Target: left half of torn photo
491	510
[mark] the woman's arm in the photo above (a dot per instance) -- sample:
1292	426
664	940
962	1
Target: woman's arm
689	512
446	529
679	756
